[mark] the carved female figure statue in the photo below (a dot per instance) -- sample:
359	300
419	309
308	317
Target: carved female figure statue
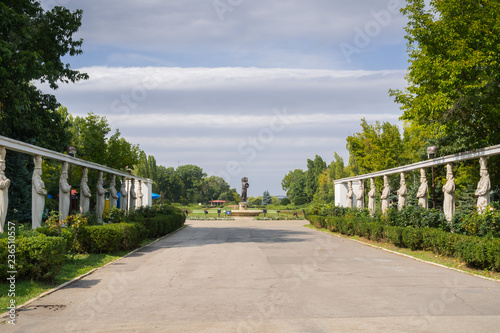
85	192
483	187
349	195
123	194
100	197
244	186
113	194
64	192
371	197
449	194
360	197
133	195
4	189
384	197
38	194
139	193
402	192
422	190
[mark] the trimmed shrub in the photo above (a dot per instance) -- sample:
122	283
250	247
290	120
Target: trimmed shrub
110	237
37	258
67	233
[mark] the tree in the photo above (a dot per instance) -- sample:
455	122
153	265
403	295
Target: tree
191	178
454	71
266	198
336	169
294	183
376	147
314	170
32	44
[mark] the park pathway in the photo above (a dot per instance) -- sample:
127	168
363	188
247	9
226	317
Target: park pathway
255	276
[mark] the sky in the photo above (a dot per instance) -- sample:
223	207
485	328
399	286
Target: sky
240	88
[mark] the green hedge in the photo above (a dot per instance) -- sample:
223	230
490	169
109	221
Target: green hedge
110	237
476	252
67	233
37	258
160	224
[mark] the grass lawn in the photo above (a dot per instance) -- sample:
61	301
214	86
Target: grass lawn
423	255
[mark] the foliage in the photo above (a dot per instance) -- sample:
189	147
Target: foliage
454	71
115	215
266	198
485	224
54	222
37	258
294	183
32	44
285	201
315	169
416	216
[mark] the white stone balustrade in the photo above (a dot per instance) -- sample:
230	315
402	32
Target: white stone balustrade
344	188
38	188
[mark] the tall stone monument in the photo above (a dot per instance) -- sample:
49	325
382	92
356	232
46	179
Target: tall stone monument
38	194
402	192
4	189
371	197
360	197
85	192
349	195
422	190
64	192
449	193
123	194
100	198
384	197
483	187
113	194
244	196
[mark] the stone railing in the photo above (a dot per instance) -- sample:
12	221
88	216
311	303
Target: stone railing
135	191
350	192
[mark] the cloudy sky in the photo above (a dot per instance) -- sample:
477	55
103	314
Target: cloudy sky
238	87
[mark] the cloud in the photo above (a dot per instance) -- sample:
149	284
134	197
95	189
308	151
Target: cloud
265	121
280	33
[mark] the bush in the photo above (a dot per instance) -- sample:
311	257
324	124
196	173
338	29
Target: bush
115	215
66	233
37	258
110	237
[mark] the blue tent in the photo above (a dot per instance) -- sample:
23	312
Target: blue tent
155	196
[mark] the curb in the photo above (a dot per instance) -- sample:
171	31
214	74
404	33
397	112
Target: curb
78	278
409	256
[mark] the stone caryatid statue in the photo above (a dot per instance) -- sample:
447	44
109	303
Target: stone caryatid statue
140	195
349	195
360	197
244	187
85	192
483	187
38	194
133	195
113	194
402	192
4	189
123	194
384	197
371	197
449	193
64	192
422	190
100	198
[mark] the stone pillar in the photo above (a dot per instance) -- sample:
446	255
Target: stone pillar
384	197
402	192
422	191
38	194
371	197
85	192
139	194
123	195
349	195
147	190
360	197
449	193
483	187
4	189
64	192
113	194
133	195
100	199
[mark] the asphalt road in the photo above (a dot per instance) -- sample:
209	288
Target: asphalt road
253	276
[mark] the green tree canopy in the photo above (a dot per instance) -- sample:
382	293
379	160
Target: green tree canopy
454	72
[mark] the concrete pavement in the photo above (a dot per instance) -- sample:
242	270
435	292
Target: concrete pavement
257	276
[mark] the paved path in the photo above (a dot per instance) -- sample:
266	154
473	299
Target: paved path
250	276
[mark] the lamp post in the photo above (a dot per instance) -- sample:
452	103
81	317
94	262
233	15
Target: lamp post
431	153
72	152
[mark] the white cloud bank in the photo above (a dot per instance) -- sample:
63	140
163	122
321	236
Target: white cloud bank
236	122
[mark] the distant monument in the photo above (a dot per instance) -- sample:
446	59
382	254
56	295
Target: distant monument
244	197
243	207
